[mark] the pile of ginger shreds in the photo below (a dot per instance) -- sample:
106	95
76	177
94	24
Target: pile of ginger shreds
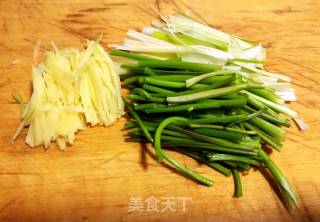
71	90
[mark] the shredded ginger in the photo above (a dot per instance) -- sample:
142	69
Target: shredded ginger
71	89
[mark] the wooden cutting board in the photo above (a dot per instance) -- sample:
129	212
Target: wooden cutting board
100	176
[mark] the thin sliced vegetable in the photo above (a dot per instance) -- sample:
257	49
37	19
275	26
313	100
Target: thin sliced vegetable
210	93
163	155
237	182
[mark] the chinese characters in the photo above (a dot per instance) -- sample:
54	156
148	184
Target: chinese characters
158	205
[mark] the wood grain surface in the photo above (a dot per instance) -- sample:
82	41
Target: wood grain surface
95	178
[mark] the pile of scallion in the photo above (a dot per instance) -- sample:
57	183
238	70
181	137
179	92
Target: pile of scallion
203	93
